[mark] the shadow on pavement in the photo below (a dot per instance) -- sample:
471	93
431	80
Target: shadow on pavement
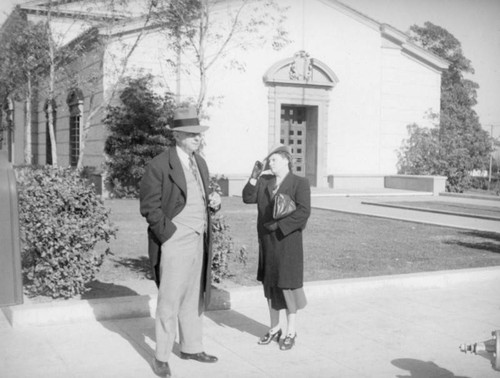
140	334
137	331
220	312
98	289
234	319
422	369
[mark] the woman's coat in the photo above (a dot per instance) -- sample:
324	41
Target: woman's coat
281	254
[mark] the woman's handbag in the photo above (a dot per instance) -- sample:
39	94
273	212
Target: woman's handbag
283	206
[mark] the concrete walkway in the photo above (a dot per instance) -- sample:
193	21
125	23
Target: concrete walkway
361	328
393	326
359	203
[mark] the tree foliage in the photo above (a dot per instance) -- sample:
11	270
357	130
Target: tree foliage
202	35
459	144
24	57
24	52
137	133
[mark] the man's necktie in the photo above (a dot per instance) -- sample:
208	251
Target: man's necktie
196	174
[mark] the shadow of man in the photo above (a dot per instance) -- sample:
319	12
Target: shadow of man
121	310
130	315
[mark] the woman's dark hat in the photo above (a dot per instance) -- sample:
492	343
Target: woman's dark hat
186	120
279	148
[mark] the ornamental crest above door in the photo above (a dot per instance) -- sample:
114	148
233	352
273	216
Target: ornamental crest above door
301	67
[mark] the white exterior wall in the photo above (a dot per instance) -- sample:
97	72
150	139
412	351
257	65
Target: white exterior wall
410	92
353	53
351	48
379	91
239	134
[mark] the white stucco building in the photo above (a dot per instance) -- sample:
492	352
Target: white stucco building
341	94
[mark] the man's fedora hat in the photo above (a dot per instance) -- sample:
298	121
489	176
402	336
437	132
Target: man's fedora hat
186	120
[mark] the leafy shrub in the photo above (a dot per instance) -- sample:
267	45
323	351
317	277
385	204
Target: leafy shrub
484	184
427	152
61	220
223	250
137	133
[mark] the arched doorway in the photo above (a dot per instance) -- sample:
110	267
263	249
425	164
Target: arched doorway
299	98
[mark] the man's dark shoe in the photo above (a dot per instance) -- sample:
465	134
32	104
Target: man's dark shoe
201	357
161	368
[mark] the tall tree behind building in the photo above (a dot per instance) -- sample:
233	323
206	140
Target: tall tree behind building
459	144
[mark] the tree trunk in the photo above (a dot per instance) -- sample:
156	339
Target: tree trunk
52	78
85	130
201	56
27	126
53	144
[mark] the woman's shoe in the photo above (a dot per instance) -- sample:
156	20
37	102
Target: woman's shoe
268	337
289	342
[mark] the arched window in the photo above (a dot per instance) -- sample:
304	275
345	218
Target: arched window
75	103
48	144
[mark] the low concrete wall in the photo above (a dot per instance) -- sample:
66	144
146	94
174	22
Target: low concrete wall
355	181
232	185
235	184
434	184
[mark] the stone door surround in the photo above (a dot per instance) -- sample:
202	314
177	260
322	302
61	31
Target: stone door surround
303	81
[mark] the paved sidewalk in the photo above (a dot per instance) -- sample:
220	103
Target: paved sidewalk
377	330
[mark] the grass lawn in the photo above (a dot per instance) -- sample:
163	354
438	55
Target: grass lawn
337	245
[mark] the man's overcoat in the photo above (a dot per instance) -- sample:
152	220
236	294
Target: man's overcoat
281	254
163	193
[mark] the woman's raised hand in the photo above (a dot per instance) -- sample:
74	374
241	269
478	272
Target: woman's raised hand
257	170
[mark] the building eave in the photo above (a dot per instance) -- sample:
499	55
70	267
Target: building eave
403	40
394	35
41	8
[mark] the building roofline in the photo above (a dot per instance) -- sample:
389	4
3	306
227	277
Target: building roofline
40	7
407	46
394	35
388	32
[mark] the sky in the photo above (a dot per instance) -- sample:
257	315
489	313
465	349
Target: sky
475	23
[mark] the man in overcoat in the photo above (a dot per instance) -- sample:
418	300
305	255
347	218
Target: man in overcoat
175	201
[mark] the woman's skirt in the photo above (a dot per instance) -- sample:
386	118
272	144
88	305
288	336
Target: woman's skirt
291	299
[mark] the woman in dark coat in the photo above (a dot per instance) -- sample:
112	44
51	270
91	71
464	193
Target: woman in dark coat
281	256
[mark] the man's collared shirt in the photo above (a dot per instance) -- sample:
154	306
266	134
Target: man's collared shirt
183	156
